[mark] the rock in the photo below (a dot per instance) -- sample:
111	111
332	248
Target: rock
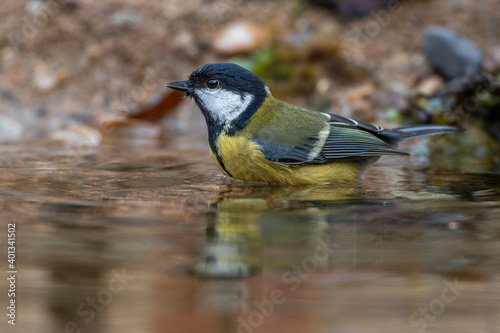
45	82
10	129
185	40
9	95
122	19
239	38
34	6
46	79
430	85
451	55
323	85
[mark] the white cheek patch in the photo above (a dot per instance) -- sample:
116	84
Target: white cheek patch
222	104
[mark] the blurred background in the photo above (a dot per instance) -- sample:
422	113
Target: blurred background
87	66
124	223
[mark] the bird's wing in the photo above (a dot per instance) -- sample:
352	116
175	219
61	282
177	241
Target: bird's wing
341	139
348	142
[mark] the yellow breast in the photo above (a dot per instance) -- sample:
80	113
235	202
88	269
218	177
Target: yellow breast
243	159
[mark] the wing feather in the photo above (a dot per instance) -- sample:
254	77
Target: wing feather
348	139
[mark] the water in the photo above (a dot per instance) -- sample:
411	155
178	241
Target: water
136	237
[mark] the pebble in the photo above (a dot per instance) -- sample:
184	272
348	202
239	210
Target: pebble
122	19
10	129
33	6
9	95
45	79
430	85
239	38
451	55
323	85
45	82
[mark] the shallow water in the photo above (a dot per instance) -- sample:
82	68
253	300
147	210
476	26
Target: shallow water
136	237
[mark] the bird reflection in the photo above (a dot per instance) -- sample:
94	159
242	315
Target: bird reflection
268	248
248	227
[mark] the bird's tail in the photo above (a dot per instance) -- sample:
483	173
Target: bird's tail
402	133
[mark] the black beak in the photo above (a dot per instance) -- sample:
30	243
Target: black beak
179	85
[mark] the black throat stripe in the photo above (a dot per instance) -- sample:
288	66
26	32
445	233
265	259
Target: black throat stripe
243	119
213	133
219	159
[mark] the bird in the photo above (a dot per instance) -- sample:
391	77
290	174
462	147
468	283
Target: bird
255	137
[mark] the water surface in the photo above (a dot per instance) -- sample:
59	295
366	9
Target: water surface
139	237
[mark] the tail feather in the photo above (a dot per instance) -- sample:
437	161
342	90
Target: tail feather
402	133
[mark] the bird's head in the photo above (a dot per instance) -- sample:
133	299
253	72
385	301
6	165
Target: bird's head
224	92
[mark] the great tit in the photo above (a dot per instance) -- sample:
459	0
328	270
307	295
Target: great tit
256	137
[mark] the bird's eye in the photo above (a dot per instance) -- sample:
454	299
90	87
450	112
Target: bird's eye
212	83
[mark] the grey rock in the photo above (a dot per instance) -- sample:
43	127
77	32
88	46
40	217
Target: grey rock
10	129
451	55
9	95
